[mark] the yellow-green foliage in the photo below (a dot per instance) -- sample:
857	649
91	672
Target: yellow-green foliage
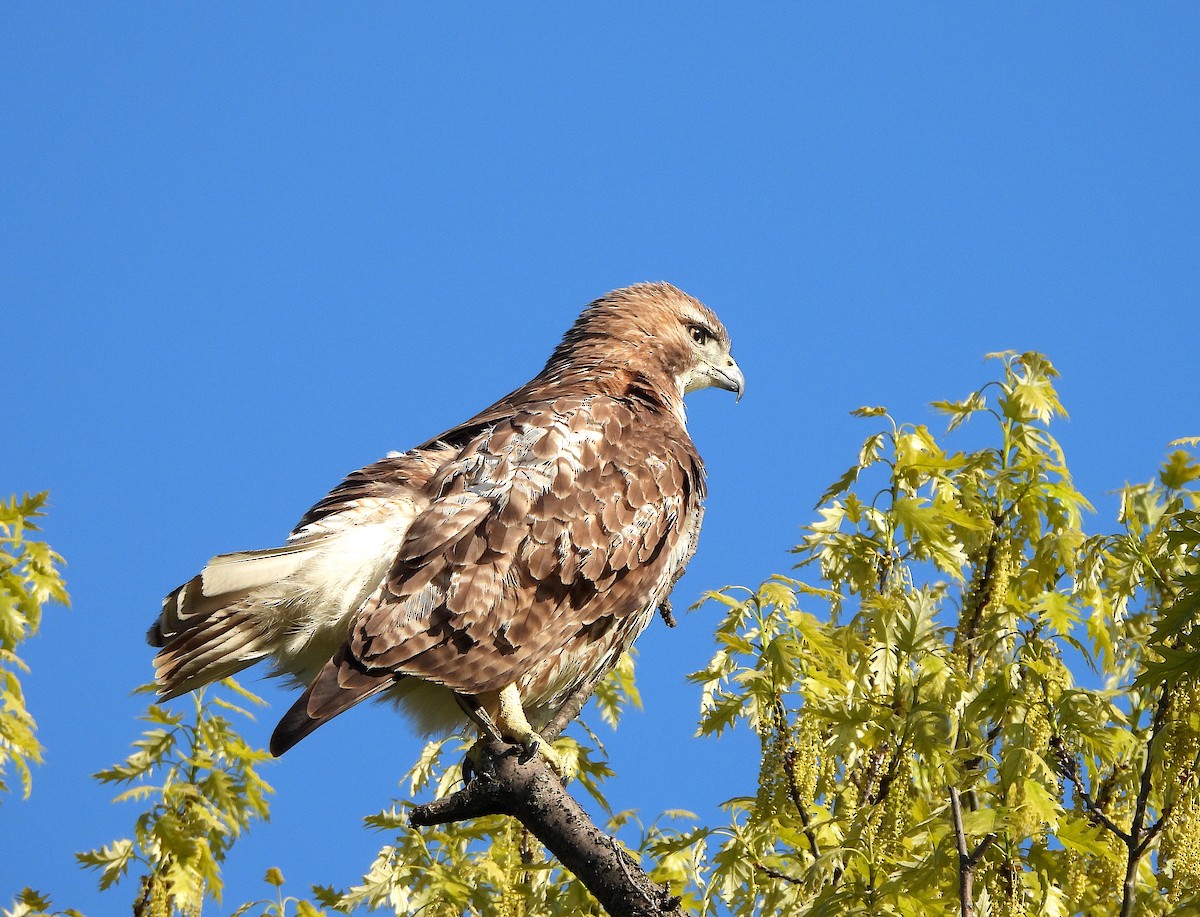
926	645
31	903
282	905
202	783
29	578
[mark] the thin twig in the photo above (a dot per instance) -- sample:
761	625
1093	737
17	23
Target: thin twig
789	762
885	782
982	594
1069	768
1153	831
967	859
972	764
1143	796
1189	779
789	770
1139	838
865	779
776	874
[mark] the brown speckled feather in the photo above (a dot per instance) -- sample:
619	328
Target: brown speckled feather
518	562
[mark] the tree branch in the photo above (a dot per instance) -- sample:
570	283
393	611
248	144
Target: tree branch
1139	838
789	767
528	791
967	859
668	615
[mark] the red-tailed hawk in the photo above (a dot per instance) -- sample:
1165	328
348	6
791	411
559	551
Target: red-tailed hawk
499	567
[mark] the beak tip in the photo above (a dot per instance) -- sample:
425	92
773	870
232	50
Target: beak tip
728	377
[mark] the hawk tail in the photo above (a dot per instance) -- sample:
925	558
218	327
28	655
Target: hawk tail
202	639
213	626
341	684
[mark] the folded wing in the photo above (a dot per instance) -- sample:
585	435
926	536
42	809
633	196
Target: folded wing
545	543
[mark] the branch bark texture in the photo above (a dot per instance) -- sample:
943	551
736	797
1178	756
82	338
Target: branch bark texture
530	792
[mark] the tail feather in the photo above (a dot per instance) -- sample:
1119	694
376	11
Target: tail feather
228	573
341	684
208	628
184	607
224	645
181	685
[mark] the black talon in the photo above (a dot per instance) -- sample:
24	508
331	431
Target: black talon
529	748
477	763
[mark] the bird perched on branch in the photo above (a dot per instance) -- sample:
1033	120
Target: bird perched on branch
498	569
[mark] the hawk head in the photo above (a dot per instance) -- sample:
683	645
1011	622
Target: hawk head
654	333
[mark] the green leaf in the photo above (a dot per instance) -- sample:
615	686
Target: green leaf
1056	611
198	781
112	860
1078	834
980	822
841	484
1180	469
960	411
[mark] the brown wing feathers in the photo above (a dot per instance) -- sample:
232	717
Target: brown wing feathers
537	535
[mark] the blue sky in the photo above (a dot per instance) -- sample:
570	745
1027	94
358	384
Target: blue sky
247	249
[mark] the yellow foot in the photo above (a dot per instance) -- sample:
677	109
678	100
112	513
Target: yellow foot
500	716
515	727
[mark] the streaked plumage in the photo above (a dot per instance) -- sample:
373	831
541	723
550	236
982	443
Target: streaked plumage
528	546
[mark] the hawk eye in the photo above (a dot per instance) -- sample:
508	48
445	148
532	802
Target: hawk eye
700	334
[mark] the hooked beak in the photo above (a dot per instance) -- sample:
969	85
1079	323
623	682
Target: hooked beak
729	377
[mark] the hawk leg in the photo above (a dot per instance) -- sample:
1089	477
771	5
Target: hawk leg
500	715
